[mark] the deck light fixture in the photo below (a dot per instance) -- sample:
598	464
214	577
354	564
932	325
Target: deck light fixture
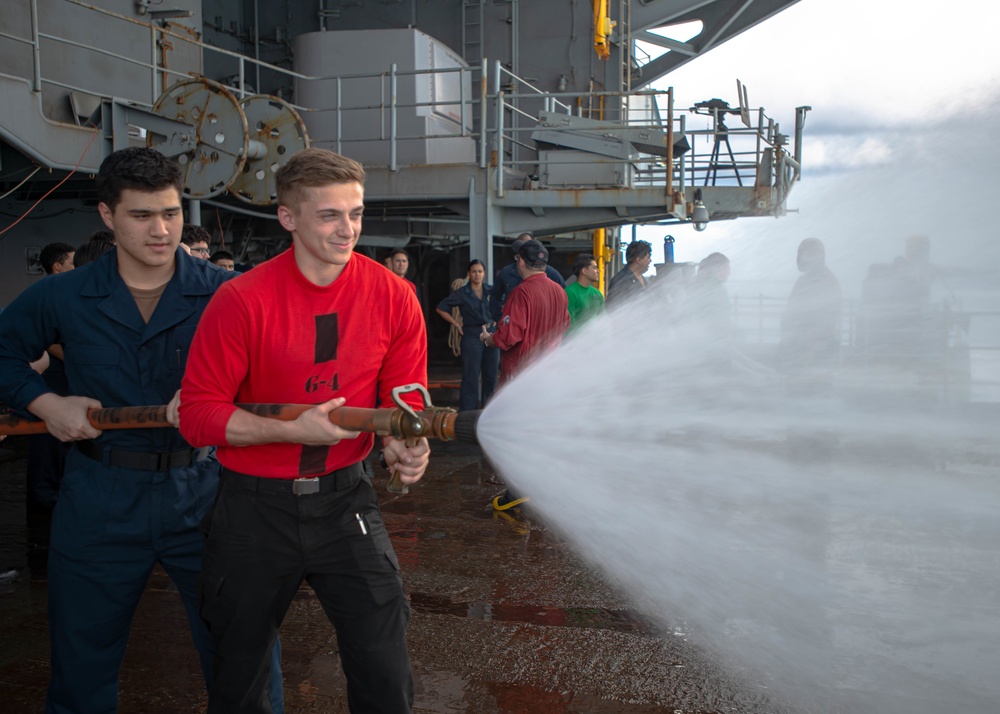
699	216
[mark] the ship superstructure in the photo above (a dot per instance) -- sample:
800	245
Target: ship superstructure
476	121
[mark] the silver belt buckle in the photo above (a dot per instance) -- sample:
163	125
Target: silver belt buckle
305	486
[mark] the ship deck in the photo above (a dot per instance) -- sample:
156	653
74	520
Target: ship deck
505	619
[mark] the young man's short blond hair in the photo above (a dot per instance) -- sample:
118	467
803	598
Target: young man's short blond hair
312	168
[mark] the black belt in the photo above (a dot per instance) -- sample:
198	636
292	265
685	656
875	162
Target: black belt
141	460
333	481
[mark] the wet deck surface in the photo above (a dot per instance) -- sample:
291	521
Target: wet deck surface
505	619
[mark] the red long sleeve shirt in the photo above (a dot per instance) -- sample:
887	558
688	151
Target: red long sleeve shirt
534	319
272	336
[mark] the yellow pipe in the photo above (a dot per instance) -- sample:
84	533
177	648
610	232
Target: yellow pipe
601	256
602	28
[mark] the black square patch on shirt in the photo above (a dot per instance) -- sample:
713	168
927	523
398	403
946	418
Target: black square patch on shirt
327	338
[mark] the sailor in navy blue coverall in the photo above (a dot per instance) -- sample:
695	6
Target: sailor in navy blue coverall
478	360
130	498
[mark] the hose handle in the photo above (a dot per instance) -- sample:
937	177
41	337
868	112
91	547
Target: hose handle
396	484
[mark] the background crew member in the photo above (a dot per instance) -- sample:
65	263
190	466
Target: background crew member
321	325
509	278
478	360
224	259
196	240
56	258
399	263
535	316
628	282
585	300
533	321
810	327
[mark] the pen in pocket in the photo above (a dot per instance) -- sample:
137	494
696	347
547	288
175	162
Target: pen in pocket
361	523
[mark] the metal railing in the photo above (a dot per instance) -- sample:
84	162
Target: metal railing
387	107
517	117
965	367
506	117
735	156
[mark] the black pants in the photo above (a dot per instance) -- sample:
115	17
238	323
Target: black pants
262	542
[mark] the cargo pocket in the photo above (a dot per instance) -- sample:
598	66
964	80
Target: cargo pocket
380	537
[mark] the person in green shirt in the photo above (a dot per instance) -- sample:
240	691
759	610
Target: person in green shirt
585	300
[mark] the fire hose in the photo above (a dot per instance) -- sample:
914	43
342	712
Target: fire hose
400	422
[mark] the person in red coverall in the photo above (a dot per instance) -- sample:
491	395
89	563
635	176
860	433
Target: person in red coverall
534	319
318	324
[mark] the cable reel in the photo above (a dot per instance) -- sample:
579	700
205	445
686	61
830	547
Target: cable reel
238	145
275	125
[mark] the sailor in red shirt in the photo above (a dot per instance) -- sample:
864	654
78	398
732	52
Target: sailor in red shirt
534	317
316	325
533	321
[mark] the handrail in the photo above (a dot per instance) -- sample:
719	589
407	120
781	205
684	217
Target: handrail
511	108
738	165
501	70
757	319
36	49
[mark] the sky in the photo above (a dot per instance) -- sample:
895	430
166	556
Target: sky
903	97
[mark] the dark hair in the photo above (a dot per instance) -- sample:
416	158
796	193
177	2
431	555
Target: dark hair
102	235
637	249
192	234
397	251
139	169
713	264
581	262
313	168
519	241
91	251
54	253
476	261
221	255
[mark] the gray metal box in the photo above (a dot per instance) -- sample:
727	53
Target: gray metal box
429	114
566	168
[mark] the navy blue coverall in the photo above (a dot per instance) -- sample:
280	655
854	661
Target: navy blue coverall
478	360
111	523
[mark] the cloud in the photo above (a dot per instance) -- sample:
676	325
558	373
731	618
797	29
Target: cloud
840	153
888	63
897	142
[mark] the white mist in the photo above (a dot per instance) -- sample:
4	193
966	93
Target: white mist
843	550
